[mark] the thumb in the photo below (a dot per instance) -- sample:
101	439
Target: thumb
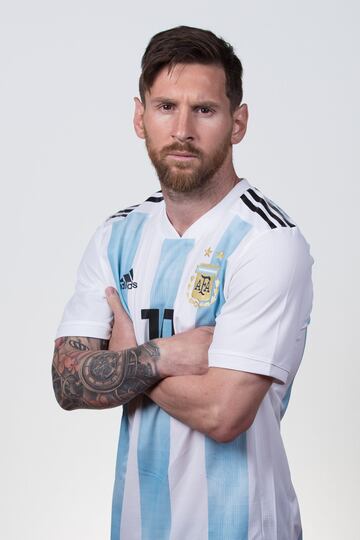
113	299
206	328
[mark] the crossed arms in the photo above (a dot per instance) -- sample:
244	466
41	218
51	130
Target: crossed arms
173	372
268	305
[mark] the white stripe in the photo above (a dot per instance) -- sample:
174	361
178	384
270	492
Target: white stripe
189	515
261	469
145	265
255	488
273	507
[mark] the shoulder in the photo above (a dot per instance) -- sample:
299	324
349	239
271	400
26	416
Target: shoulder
271	231
99	241
149	206
260	211
127	216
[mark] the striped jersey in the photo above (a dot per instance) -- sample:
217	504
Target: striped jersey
244	267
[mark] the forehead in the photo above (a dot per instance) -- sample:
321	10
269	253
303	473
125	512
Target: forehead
193	81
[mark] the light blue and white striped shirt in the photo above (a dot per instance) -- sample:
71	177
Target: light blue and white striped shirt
245	268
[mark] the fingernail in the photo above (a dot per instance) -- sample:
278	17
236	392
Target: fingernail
109	291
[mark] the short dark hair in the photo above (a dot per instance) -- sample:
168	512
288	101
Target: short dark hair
188	45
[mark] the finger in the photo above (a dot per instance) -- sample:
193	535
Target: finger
209	329
113	299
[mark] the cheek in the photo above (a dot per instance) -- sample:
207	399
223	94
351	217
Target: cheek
158	131
215	134
157	123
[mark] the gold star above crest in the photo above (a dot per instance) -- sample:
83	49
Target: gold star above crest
208	252
219	255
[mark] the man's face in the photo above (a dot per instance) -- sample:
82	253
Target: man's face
187	125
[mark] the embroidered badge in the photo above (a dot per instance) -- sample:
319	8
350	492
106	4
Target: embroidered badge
203	287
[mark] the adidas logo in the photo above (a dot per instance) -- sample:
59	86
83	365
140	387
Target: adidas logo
127	282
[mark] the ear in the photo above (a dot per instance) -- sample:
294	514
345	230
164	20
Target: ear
240	120
138	118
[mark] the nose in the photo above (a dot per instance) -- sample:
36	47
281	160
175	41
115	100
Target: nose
183	126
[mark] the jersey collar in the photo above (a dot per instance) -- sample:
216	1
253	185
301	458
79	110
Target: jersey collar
207	221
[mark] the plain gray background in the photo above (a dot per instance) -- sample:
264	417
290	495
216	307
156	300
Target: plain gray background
70	158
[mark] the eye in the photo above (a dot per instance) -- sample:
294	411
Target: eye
166	106
205	110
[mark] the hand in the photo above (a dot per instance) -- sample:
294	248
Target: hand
185	353
122	335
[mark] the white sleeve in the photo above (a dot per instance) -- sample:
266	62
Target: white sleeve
261	327
87	313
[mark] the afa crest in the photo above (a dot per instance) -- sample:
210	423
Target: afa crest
203	287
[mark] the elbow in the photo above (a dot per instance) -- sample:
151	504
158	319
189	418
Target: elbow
225	435
65	403
226	429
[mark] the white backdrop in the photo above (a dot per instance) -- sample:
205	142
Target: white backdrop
69	158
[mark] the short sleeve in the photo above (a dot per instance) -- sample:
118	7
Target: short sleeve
87	312
261	327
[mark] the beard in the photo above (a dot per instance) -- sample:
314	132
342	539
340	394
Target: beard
184	177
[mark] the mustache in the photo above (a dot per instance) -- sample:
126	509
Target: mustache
177	147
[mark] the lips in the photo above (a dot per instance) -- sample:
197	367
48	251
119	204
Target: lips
181	155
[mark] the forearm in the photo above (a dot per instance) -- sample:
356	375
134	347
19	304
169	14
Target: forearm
190	399
221	403
98	379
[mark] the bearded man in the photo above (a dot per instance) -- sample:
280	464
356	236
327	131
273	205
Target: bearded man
191	310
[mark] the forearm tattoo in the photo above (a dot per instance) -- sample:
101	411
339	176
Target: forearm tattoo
87	376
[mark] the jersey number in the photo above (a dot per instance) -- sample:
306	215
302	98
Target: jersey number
154	322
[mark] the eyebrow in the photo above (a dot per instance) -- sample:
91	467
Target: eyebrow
200	103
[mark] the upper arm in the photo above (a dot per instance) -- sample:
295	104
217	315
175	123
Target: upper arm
262	324
260	331
87	313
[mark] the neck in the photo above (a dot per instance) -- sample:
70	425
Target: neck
183	209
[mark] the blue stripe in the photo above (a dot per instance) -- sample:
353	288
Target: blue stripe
234	234
121	465
228	489
285	401
154	434
124	241
226	463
